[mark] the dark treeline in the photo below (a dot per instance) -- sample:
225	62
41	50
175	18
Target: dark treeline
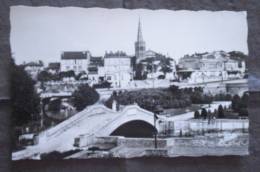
238	108
171	97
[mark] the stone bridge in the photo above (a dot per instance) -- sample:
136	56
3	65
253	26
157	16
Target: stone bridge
96	120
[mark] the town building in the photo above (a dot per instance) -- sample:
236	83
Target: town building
53	67
210	67
117	69
76	61
34	68
150	58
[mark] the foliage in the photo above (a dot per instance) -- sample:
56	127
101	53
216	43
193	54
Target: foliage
25	102
166	66
84	96
204	113
161	77
44	76
196	114
236	103
150	98
139	74
237	55
240	105
67	74
104	84
220	111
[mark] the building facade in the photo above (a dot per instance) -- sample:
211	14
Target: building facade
210	67
117	69
34	68
76	61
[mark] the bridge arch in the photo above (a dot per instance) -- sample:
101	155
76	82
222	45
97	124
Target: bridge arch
128	121
135	128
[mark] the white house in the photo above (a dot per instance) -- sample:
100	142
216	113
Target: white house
117	69
210	67
75	60
33	68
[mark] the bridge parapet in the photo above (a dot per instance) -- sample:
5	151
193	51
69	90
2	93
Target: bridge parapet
73	121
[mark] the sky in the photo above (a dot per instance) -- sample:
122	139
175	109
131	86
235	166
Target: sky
42	33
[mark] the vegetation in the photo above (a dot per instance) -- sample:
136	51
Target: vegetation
196	114
237	55
171	97
139	74
220	111
25	101
204	113
166	66
240	105
84	96
104	84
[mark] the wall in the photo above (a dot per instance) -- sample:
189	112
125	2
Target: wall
136	142
197	125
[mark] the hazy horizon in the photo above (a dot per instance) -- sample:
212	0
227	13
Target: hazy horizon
42	33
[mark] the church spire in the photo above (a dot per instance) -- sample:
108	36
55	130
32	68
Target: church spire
139	34
139	44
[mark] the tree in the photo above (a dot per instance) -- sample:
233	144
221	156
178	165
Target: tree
204	113
44	76
196	114
67	74
41	63
220	111
244	100
243	112
166	66
236	103
25	102
84	96
139	72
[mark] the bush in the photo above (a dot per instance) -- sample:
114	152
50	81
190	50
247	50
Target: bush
204	113
236	103
220	111
84	96
196	114
104	84
243	112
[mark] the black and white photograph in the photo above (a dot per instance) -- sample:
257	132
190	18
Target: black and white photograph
120	83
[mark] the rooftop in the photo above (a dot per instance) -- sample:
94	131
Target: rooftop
54	65
118	54
71	55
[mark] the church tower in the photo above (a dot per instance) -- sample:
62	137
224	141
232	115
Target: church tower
139	44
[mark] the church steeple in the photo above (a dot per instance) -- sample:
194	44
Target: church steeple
139	44
139	34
